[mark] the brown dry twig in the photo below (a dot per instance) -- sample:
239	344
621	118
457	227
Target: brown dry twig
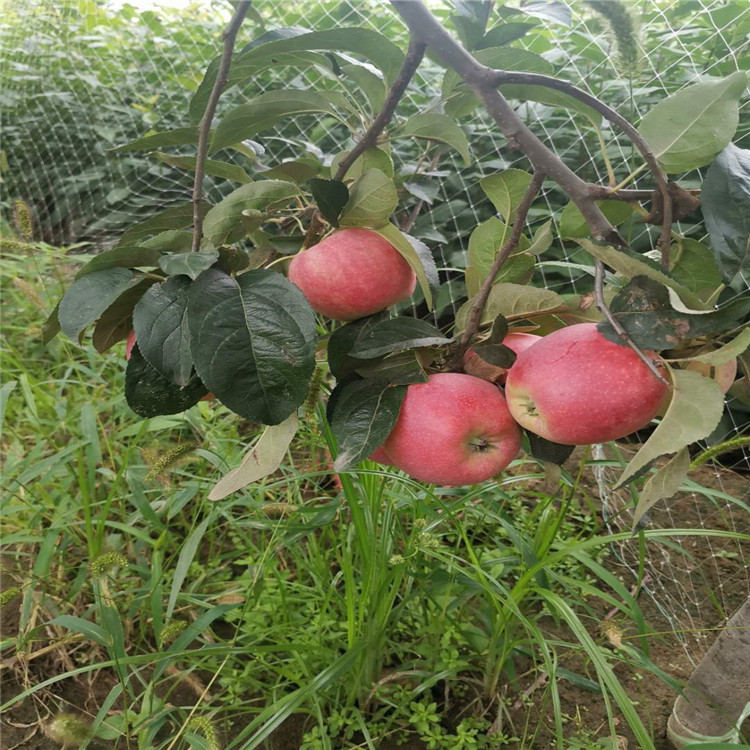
229	37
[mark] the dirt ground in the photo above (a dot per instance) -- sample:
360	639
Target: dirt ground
702	584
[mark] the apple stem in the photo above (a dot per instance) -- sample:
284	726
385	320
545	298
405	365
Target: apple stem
229	36
621	332
477	307
413	58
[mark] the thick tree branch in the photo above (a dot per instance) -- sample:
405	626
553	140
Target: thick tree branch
500	77
413	58
423	25
229	37
621	332
477	307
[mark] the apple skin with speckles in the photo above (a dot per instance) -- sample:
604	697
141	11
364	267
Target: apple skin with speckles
576	387
453	430
724	374
352	273
475	365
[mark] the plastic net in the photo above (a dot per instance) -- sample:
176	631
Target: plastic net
79	78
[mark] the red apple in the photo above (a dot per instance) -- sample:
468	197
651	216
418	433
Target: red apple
723	374
475	365
454	429
130	343
576	387
381	457
351	274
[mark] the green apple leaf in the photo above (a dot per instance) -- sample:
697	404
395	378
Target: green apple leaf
252	339
343	339
262	459
506	190
542	239
418	256
51	326
370	158
689	128
738	345
363	415
176	137
188	264
395	335
116	322
372	85
210	167
496	354
294	170
122	257
372	199
161	329
513	301
401	368
330	196
223	223
663	483
150	394
644	310
695	268
725	200
572	224
499	330
176	217
485	242
504	33
630	264
173	240
265	111
88	297
547	451
432	126
693	413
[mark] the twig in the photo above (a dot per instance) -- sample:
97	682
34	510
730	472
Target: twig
621	332
413	58
229	37
423	25
477	307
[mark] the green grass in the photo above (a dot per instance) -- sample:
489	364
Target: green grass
365	607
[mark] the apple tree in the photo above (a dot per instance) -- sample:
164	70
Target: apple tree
206	288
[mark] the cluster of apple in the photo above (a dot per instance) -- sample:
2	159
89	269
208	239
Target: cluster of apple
572	387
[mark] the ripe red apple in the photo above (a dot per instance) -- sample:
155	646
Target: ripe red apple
351	274
475	365
454	429
576	387
130	343
723	374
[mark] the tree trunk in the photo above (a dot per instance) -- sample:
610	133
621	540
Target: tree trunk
717	697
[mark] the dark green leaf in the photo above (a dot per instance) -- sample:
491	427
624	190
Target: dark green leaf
223	223
725	199
364	414
504	34
161	329
643	309
695	268
689	128
188	264
210	167
549	10
496	354
173	240
372	199
499	330
402	368
177	137
150	394
122	257
343	339
253	342
506	190
371	158
331	196
264	112
176	217
116	322
395	335
294	170
572	223
371	84
51	326
546	450
88	297
418	256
